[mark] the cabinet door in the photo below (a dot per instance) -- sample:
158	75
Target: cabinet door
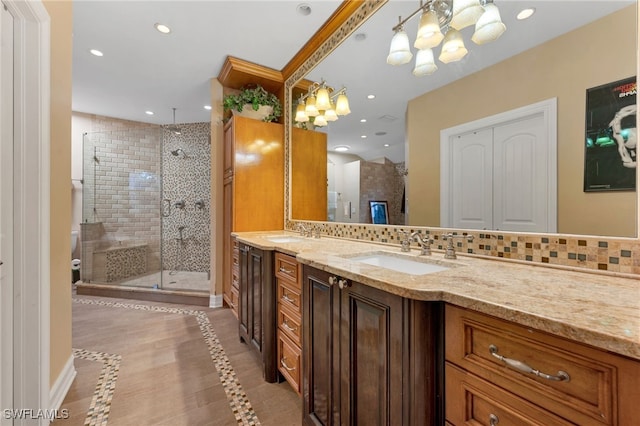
243	295
254	288
320	389
371	364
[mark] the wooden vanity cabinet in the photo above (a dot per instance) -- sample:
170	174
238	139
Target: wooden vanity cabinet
256	307
369	357
596	387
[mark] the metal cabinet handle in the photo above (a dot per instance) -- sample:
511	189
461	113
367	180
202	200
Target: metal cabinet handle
343	284
493	419
286	325
287	298
332	280
284	364
285	270
562	376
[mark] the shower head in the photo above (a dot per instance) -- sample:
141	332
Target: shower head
178	151
172	127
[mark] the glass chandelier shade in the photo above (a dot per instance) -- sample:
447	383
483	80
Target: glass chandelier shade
330	114
425	64
310	108
489	26
322	99
453	47
320	121
342	105
466	13
399	52
429	32
301	116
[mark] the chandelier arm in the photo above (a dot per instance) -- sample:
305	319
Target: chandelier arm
429	5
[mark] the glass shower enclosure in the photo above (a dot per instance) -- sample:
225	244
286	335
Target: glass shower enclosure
138	230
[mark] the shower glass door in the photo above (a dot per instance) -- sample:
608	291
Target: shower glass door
121	221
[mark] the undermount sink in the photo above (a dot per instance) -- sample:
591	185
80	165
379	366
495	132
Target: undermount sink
284	239
401	263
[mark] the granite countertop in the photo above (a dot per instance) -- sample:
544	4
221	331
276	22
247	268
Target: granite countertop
602	310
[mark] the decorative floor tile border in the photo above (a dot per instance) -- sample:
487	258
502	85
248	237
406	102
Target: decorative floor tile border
238	400
100	406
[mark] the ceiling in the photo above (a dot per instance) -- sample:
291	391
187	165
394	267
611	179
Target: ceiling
143	69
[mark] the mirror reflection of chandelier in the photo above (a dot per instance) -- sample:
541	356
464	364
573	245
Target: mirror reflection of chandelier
441	21
322	104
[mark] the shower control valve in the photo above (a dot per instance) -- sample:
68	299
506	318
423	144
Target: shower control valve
180	204
199	204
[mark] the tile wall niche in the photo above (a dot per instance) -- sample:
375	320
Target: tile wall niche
124	187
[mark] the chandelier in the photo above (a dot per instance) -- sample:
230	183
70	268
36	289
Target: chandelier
441	21
322	104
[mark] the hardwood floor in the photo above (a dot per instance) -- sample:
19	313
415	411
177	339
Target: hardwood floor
146	363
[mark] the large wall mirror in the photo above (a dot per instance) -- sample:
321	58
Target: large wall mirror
393	140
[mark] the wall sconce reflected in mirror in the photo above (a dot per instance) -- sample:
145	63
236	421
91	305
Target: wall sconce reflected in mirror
322	104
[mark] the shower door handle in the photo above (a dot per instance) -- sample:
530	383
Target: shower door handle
166	202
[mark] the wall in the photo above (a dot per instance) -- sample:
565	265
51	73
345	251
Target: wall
61	14
554	69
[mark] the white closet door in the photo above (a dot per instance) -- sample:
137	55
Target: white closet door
520	175
472	195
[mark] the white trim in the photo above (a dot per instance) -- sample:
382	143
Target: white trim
215	301
549	110
31	204
62	384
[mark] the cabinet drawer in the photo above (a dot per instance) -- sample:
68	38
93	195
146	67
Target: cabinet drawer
471	400
588	397
287	269
290	297
290	324
289	356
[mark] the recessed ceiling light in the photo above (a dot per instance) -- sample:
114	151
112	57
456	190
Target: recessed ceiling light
363	136
342	148
149	112
363	120
207	107
304	9
386	145
96	52
526	13
162	28
371	96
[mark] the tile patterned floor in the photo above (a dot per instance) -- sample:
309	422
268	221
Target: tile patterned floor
279	404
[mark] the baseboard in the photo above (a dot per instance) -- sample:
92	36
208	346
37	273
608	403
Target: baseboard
215	301
62	385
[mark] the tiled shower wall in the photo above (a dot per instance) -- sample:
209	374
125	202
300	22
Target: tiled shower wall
186	177
127	177
381	181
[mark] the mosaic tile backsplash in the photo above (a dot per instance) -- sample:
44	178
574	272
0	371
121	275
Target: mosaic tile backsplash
618	255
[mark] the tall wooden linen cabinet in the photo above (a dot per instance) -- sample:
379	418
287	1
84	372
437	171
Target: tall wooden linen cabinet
253	189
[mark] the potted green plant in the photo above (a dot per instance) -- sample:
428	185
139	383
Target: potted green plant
254	102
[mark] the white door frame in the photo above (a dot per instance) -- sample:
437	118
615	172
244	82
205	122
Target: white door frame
31	236
549	110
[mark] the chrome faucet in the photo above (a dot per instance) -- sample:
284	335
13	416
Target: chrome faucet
304	231
423	242
405	243
450	253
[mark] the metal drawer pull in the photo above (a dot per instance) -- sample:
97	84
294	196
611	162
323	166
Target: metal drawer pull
332	280
286	325
284	364
287	298
521	366
285	270
343	284
493	420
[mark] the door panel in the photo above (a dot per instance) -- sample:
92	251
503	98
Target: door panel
472	195
520	176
